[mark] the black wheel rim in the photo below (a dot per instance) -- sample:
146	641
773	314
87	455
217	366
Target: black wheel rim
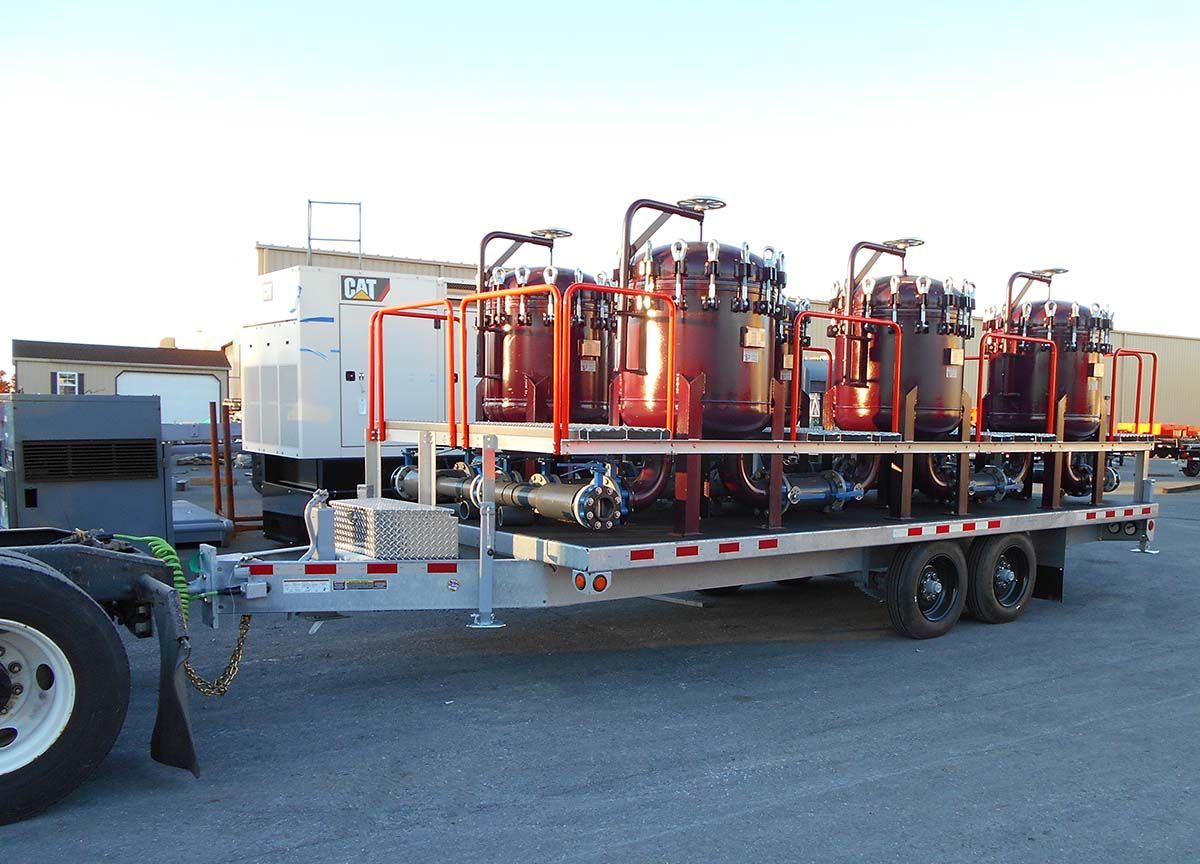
937	588
1010	576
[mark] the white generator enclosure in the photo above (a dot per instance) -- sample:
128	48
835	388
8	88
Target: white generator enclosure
304	361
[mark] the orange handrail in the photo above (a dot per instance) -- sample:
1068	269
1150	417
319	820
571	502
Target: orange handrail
798	350
523	291
562	402
984	357
1136	353
376	419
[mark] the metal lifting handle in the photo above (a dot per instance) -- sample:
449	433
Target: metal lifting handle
562	363
1044	276
628	244
896	248
984	357
518	240
798	358
1137	354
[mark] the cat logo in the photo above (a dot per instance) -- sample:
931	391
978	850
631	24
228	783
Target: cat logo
371	289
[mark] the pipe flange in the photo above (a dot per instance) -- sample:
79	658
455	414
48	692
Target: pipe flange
598	506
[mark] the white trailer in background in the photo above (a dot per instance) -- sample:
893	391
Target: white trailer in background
304	381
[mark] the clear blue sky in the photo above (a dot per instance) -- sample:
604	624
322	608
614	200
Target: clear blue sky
145	148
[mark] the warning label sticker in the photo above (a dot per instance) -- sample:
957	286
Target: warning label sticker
359	584
305	586
751	355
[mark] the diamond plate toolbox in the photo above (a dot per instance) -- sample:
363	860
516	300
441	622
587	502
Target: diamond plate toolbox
394	530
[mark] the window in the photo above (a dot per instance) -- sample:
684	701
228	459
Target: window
66	383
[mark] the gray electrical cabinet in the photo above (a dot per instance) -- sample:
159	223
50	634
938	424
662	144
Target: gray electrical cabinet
91	462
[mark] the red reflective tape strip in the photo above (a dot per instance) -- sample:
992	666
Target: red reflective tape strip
993	523
771	543
1128	511
968	526
914	532
379	569
262	569
1092	515
1110	514
942	529
730	547
641	554
686	551
1145	511
441	567
320	569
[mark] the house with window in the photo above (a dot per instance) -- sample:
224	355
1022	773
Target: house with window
185	380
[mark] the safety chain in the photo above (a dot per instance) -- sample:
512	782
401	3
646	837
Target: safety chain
220	685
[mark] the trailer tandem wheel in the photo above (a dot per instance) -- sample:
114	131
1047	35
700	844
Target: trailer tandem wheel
64	686
926	589
1001	572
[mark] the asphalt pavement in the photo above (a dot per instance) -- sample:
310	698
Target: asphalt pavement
778	724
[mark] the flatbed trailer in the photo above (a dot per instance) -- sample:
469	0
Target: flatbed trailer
64	678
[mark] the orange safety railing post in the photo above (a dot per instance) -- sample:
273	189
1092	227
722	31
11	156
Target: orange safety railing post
563	376
481	296
798	350
1136	353
983	361
376	415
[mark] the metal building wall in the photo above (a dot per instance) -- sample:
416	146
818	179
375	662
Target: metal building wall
460	277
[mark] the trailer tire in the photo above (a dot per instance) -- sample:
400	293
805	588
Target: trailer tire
74	693
926	589
1001	572
1192	469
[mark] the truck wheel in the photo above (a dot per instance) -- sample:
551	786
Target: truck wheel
1192	469
64	686
1001	572
926	589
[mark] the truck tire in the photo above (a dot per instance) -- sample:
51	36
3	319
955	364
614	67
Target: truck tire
64	686
1001	572
926	589
1192	469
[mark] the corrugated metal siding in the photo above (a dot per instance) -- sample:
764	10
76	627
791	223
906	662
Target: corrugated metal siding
272	258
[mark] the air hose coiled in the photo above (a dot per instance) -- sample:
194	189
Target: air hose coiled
165	552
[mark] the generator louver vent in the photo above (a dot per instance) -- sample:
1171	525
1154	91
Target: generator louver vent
116	459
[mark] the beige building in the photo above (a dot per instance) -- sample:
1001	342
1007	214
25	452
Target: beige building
185	380
460	278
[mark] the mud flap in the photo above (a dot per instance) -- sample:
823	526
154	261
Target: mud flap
171	742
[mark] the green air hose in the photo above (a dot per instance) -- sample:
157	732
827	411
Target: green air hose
164	551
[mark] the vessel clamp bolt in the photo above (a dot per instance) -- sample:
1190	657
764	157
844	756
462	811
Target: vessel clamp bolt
712	269
923	284
679	254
